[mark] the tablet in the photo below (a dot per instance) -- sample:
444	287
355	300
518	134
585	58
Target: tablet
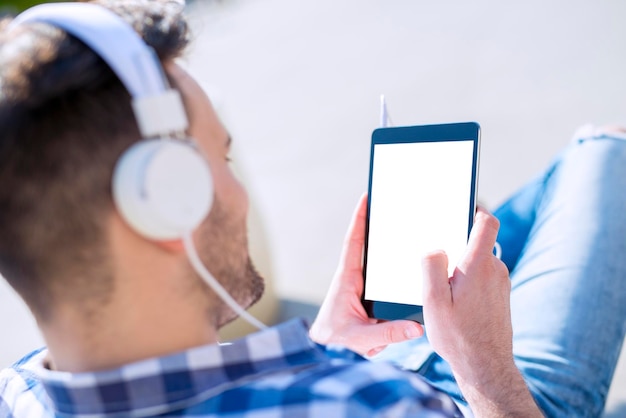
421	198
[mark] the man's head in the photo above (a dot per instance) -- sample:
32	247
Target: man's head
65	119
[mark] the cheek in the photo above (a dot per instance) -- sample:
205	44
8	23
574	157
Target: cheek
239	195
229	190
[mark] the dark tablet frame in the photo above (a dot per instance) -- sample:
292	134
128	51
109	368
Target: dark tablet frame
410	134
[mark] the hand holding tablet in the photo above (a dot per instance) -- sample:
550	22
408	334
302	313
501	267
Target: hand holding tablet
422	187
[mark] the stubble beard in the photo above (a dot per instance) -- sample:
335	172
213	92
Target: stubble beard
223	248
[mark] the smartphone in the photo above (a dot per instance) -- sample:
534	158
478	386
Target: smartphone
422	197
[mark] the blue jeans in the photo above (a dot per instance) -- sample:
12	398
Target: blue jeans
563	238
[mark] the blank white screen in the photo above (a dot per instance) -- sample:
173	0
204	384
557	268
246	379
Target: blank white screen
420	202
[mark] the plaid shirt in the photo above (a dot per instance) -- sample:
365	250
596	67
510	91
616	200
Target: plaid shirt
278	372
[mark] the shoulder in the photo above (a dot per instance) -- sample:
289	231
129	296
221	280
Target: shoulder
21	392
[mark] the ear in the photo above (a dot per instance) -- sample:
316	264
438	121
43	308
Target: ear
171	246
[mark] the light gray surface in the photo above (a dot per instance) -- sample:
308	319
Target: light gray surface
297	83
298	86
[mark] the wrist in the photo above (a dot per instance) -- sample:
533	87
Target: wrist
498	390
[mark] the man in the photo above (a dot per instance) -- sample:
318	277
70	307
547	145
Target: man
131	330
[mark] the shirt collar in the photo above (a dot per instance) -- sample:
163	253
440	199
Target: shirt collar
159	385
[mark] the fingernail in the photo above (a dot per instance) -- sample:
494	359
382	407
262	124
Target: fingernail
412	332
374	351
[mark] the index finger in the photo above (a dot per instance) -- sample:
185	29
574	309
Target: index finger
484	233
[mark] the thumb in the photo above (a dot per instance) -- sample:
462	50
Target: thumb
436	282
385	333
382	334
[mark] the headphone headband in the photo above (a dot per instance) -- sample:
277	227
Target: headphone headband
159	111
162	188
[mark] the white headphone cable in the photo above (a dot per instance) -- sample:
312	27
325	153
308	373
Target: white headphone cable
197	265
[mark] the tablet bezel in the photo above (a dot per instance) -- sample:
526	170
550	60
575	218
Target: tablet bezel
411	134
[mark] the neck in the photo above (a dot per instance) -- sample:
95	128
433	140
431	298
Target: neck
156	308
106	340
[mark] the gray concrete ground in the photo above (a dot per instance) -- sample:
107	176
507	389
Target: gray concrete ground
297	83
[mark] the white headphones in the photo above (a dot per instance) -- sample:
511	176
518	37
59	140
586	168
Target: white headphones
162	186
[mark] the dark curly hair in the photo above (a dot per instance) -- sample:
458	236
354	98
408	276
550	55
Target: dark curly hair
65	118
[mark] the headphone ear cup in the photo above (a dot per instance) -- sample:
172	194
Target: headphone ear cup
163	188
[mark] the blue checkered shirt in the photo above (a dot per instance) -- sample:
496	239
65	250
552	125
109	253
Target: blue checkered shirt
278	372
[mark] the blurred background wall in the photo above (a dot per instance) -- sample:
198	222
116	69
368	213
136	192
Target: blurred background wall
297	83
